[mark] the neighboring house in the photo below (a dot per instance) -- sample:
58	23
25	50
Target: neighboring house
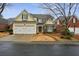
73	25
27	23
3	25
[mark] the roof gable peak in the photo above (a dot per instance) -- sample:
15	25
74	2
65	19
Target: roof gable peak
24	11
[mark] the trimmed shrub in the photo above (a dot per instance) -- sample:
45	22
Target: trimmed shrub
66	37
10	31
67	34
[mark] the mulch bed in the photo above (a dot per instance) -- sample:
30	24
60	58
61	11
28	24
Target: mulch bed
3	34
76	37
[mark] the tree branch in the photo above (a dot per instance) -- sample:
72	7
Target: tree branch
2	7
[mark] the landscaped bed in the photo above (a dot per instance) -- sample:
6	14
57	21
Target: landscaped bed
3	34
76	37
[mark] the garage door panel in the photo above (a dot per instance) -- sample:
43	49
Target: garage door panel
25	30
18	30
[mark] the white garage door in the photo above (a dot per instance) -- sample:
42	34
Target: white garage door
25	30
76	30
30	30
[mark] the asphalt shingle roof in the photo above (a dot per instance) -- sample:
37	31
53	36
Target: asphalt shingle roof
43	16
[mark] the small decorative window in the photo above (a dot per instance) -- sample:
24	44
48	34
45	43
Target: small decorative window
58	22
24	16
40	21
74	20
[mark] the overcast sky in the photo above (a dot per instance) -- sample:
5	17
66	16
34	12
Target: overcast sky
12	10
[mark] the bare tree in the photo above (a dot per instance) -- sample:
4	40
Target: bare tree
2	6
62	9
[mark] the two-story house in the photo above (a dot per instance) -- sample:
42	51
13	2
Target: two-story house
27	23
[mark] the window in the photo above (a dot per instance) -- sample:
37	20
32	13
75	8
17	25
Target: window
74	20
58	22
24	16
40	21
50	28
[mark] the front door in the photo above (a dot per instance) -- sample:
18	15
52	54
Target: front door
40	29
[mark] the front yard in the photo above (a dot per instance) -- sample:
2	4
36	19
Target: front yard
3	34
53	37
76	37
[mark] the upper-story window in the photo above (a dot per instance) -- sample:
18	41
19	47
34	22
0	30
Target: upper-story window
24	16
40	20
58	22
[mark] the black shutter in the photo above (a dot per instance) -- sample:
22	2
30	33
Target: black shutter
22	16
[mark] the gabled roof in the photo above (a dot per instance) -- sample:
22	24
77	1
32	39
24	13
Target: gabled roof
49	22
38	16
30	18
24	11
4	21
60	19
71	24
43	16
